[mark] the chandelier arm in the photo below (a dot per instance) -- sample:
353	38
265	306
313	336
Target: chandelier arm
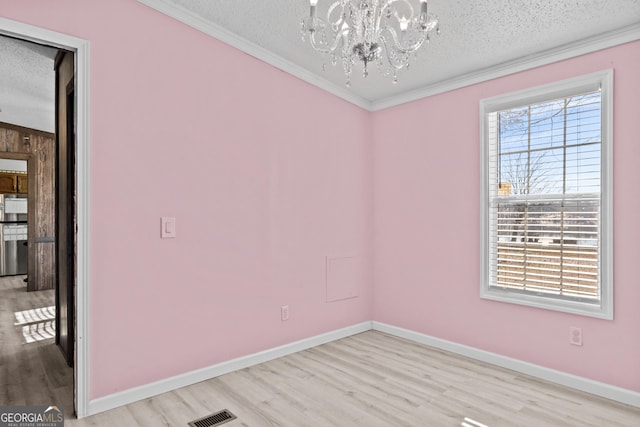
397	65
337	36
337	23
386	4
405	49
328	48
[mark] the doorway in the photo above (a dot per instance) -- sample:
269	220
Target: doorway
28	216
79	293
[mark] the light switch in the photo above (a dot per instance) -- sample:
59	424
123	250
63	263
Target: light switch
168	228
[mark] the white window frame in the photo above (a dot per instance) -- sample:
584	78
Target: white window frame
602	308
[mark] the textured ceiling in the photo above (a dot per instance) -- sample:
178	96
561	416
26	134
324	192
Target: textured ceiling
27	82
476	35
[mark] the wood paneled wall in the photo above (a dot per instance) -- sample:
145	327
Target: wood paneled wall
38	148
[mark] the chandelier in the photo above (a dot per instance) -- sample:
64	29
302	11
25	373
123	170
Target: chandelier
385	32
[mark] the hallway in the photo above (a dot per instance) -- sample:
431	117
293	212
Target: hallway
32	368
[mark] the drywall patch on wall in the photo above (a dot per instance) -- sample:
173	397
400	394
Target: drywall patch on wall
341	278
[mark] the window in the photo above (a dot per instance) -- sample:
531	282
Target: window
546	231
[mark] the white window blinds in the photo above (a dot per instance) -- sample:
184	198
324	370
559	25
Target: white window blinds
544	197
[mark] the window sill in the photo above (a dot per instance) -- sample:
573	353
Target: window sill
597	309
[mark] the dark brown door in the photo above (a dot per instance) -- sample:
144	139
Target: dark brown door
65	207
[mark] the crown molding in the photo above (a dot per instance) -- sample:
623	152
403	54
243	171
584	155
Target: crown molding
218	32
571	50
581	47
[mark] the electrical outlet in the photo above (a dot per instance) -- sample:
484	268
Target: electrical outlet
575	336
284	312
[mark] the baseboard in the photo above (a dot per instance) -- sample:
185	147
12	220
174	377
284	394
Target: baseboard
618	394
115	400
148	390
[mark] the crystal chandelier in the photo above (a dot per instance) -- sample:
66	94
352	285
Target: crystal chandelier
384	32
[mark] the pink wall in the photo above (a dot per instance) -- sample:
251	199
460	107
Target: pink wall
183	125
426	229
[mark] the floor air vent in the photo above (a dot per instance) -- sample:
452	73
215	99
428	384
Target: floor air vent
216	419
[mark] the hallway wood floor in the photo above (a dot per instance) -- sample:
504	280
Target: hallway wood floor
32	369
370	379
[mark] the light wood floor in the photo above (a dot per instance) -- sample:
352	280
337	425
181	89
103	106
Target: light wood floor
370	379
32	369
373	379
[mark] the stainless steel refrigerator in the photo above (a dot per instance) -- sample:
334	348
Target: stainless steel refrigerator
13	234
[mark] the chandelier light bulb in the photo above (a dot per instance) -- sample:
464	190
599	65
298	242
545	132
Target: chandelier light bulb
384	32
404	24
